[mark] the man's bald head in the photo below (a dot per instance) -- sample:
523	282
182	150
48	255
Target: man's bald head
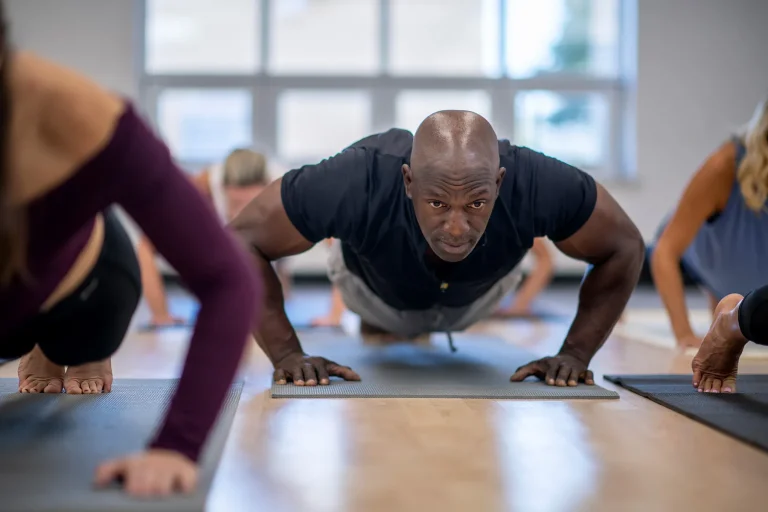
456	135
453	180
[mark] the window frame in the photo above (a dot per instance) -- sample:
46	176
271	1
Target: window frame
619	164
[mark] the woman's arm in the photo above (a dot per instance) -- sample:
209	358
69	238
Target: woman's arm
706	194
151	279
535	283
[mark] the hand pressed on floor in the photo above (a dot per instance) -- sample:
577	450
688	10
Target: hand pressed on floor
310	370
150	474
560	370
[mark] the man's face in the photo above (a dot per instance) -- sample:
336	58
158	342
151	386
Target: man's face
453	200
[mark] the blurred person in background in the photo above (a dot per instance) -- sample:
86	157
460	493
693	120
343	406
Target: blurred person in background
719	231
228	187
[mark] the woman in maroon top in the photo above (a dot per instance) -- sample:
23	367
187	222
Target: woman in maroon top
69	281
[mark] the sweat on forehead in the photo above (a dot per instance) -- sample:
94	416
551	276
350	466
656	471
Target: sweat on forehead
457	135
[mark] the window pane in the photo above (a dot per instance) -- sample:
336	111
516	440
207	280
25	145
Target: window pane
204	125
571	36
202	36
313	125
572	127
444	37
411	107
324	37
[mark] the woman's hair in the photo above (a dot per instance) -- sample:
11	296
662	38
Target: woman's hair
753	169
12	217
244	168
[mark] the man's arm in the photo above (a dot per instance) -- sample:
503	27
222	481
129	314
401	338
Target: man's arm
587	224
614	249
291	215
267	231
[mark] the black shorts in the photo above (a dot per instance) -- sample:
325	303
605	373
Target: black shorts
90	323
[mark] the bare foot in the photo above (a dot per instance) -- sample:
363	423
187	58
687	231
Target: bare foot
37	374
717	362
89	378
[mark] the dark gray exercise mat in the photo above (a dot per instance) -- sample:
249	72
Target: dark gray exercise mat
742	415
50	446
481	368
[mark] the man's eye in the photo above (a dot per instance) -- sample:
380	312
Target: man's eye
436	204
477	205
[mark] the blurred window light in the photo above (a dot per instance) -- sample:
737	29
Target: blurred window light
202	36
562	36
444	37
204	125
413	106
316	124
324	37
571	127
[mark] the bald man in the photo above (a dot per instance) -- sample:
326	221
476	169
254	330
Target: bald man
431	230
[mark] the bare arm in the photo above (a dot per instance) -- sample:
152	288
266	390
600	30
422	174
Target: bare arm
151	281
539	278
267	231
705	195
613	247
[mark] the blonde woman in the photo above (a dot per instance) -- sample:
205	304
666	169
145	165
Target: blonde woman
228	187
719	231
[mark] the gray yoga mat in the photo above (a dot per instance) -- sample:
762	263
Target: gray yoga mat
50	446
481	368
742	415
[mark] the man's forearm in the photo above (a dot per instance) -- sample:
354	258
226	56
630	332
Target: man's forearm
274	334
604	294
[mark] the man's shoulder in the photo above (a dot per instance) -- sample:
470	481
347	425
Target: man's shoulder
395	142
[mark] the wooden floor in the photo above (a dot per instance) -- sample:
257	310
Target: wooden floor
445	455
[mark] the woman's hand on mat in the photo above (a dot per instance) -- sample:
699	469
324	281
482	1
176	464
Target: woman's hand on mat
151	473
309	370
560	370
166	320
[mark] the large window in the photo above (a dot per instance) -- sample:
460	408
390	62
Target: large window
302	79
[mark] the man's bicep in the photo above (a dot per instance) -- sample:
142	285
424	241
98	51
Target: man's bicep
264	226
607	231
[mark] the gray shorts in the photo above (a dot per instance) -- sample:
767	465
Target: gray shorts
411	323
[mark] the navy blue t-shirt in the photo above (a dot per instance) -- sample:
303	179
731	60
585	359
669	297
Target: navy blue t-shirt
358	197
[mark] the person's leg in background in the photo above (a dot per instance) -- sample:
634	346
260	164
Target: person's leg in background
86	328
337	309
737	321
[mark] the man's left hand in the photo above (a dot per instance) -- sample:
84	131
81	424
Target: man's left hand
560	370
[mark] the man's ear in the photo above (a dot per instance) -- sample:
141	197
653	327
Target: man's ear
500	179
407	180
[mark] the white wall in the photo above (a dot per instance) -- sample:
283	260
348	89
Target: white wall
95	37
702	68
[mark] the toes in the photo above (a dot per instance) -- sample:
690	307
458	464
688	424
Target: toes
73	387
55	386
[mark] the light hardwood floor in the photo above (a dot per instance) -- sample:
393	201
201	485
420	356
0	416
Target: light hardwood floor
422	454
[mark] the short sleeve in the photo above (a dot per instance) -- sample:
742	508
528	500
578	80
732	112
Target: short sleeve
563	197
329	199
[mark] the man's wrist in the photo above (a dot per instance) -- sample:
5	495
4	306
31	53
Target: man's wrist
285	354
577	352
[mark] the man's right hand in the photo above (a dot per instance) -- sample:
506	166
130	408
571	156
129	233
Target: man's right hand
309	370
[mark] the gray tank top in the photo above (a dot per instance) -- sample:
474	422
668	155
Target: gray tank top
730	253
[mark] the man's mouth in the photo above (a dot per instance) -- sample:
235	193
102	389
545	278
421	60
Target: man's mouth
454	247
